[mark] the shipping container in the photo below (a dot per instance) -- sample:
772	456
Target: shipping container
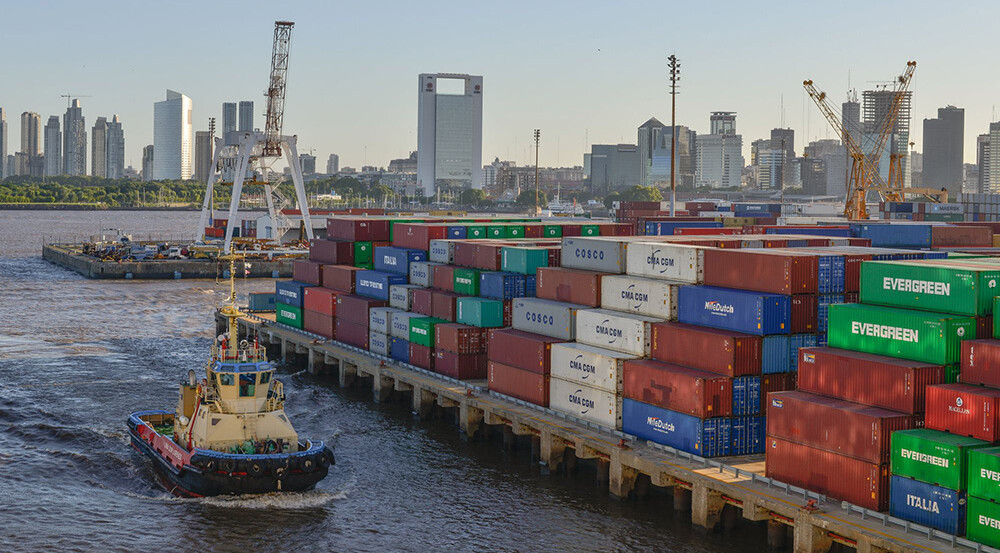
422	330
363	255
465	254
982	522
840	477
529	386
524	350
321	300
965	410
354	309
591	366
442	251
443	277
702	437
488	255
354	229
331	252
501	286
319	323
463	366
417	236
775	354
399	349
421	273
747	435
523	259
260	301
893	235
762	271
746	395
743	311
422	356
378	319
340	277
804	313
843	427
594	254
690	391
584	402
459	338
769	383
984	473
943	286
390	259
289	292
927	504
422	301
479	312
624	332
307	272
444	305
352	334
550	318
981	362
401	296
466	281
952	236
645	296
569	285
918	335
375	284
399	324
719	351
378	343
675	262
288	315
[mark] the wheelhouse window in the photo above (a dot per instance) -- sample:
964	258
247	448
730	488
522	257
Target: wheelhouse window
265	377
247	384
226	379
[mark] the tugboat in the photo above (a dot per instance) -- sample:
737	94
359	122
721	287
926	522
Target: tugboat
229	433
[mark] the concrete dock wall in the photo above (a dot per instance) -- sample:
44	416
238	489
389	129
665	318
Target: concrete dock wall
91	267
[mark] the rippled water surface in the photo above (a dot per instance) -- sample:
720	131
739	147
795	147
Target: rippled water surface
77	355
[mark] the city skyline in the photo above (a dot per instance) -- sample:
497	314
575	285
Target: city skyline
374	120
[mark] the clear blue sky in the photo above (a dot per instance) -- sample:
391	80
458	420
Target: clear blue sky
582	72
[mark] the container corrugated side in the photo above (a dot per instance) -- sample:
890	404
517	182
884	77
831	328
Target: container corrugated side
375	284
645	296
750	312
945	286
594	254
378	343
703	437
682	389
590	404
982	521
984	473
399	324
442	251
933	456
965	410
762	271
981	362
676	262
746	395
523	350
401	296
927	504
422	273
525	385
399	349
569	285
709	349
378	319
588	365
288	315
918	335
615	330
551	318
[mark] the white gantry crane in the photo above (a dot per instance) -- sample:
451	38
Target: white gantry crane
257	151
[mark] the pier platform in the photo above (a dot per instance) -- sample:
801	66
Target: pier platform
71	258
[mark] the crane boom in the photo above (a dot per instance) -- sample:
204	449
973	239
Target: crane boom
276	89
902	83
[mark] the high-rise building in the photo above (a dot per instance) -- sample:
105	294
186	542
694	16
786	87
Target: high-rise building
876	107
784	140
993	160
3	144
649	134
449	134
613	167
659	169
172	137
832	181
722	122
31	135
246	116
333	164
307	162
74	140
944	148
99	148
147	163
850	114
983	161
53	147
116	149
720	154
229	121
202	155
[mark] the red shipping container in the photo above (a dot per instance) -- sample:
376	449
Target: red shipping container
357	229
689	391
852	297
332	252
961	236
417	236
518	383
508	312
444	277
984	327
981	361
422	301
570	229
488	255
778	382
463	366
444	306
843	427
876	380
307	272
863	242
422	356
805	313
524	350
340	277
350	333
319	323
774	272
320	300
534	231
965	410
708	349
459	338
688	231
465	253
354	309
569	285
843	478
555	257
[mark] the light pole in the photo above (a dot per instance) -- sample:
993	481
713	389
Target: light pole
675	75
538	134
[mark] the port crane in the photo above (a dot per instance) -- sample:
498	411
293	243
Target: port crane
864	176
257	151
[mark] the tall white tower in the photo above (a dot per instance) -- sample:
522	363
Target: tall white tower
449	134
172	137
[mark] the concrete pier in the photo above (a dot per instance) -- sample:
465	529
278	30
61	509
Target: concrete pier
91	267
716	495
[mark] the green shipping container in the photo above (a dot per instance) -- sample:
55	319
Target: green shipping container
525	261
288	315
552	231
514	231
952	373
466	281
984	473
422	330
495	231
590	230
996	320
950	217
475	231
906	333
957	286
362	253
932	456
480	312
982	522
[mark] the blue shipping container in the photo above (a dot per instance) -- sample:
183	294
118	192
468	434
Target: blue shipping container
501	286
796	341
260	301
399	349
774	354
530	285
757	208
375	284
290	292
823	314
894	236
390	259
457	232
661	228
927	504
837	232
747	435
749	312
706	438
746	395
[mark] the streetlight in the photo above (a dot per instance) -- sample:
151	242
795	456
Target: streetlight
675	75
538	134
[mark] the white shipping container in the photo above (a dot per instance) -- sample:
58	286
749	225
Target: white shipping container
615	330
399	325
545	317
378	343
421	273
378	319
584	402
401	296
595	367
645	296
606	255
677	262
442	251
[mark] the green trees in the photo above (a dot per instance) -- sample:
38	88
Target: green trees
641	194
527	199
471	196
